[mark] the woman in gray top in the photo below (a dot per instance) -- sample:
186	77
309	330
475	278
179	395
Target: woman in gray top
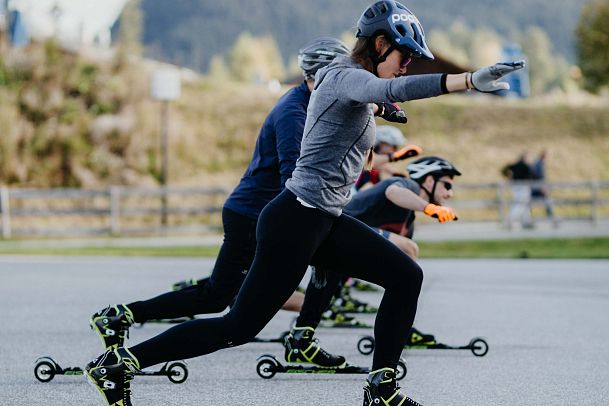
338	135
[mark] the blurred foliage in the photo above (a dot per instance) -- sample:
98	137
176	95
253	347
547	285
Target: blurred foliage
593	44
131	28
476	47
62	117
68	120
548	70
255	60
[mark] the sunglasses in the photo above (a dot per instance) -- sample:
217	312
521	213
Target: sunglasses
406	58
447	185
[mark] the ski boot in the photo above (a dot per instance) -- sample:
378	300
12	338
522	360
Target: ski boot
302	348
348	304
382	389
418	338
111	373
112	325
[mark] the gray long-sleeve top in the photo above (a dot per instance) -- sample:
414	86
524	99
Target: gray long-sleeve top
340	129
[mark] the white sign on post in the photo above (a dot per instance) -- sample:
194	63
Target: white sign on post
165	84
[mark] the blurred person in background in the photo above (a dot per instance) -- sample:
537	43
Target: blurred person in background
336	145
540	190
387	149
520	175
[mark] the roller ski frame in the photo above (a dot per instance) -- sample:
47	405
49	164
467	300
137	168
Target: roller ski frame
477	345
268	366
46	368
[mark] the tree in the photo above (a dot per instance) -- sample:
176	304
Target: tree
255	59
548	69
593	44
131	28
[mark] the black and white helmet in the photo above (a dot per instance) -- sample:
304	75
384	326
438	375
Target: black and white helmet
389	135
320	53
431	165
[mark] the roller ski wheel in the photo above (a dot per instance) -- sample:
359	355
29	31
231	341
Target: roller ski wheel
176	372
365	345
268	366
477	345
47	368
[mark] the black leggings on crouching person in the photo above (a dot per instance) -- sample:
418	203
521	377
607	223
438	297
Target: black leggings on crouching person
280	264
233	262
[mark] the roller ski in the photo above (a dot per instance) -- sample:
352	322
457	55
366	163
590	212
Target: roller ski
268	366
420	341
346	303
47	368
333	319
382	389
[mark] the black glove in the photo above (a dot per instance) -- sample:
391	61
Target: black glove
391	112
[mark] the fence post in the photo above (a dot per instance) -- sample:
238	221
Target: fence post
115	210
5	209
594	204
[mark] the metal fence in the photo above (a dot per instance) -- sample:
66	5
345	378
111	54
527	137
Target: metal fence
128	211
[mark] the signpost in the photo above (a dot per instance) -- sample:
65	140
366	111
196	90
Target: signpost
165	86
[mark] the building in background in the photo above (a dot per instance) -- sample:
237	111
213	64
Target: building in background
519	80
74	23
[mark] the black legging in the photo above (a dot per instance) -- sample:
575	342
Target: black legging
233	262
281	261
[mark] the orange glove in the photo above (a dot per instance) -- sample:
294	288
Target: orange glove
441	213
407	152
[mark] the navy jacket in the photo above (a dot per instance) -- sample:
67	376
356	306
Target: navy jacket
277	149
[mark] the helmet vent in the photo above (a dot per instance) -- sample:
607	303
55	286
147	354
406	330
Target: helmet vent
382	8
415	33
400	28
369	13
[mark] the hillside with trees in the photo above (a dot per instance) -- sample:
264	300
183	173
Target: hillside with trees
192	32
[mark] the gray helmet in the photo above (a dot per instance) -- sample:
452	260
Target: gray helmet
320	53
389	135
398	23
431	165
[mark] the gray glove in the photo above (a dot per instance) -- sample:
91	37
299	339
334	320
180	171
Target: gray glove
487	79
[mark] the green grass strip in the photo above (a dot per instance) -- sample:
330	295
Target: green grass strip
556	248
577	248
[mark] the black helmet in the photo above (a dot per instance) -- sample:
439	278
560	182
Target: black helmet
431	165
398	23
320	53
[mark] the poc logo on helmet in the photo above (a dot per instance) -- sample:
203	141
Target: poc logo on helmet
409	18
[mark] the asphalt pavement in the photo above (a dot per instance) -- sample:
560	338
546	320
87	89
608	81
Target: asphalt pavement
546	322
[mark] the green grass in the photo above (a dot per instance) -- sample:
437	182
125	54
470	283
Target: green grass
556	248
582	248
